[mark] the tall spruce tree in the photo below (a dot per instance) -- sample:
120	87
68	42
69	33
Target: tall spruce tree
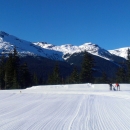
2	72
74	78
55	78
9	72
16	62
15	84
56	74
35	79
50	79
121	76
25	76
128	65
86	74
16	65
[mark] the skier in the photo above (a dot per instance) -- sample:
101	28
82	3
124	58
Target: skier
110	84
118	87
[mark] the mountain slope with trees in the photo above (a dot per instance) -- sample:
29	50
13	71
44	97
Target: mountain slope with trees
23	64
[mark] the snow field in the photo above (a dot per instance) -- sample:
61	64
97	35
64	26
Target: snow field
65	107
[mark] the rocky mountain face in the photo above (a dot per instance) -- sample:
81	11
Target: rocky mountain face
68	54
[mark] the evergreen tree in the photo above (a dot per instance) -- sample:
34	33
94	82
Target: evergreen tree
128	65
16	61
35	79
121	76
68	80
74	78
16	65
25	76
54	78
9	72
2	72
56	74
50	79
86	74
15	81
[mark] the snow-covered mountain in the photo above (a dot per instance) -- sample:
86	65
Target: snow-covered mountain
69	49
44	49
122	52
8	42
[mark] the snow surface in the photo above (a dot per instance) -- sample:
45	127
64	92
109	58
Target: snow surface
66	107
122	52
71	49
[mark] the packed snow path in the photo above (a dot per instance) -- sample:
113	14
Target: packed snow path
90	111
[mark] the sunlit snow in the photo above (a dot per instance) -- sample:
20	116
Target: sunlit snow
66	107
122	52
8	42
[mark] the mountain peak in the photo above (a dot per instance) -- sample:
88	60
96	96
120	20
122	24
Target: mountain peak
88	43
121	52
49	50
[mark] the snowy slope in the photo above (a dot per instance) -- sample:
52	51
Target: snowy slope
8	42
122	52
71	49
75	109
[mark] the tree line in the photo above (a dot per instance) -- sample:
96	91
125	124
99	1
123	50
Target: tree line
14	75
86	74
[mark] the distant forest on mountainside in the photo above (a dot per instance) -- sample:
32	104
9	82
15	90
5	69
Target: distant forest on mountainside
21	72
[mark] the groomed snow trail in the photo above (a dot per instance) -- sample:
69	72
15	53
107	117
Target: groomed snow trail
92	111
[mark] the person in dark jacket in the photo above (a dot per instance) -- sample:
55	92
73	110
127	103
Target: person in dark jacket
110	85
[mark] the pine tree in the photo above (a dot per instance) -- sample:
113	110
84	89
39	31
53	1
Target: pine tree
54	78
86	74
50	79
121	76
9	72
68	80
74	78
56	74
128	65
2	72
16	63
15	84
35	79
25	76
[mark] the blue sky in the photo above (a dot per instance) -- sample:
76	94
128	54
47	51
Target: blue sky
103	22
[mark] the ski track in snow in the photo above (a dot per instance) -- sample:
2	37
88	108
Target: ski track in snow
90	111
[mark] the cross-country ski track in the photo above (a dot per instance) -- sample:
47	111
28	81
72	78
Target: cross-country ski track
65	110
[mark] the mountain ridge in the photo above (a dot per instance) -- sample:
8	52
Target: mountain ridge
62	52
44	55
